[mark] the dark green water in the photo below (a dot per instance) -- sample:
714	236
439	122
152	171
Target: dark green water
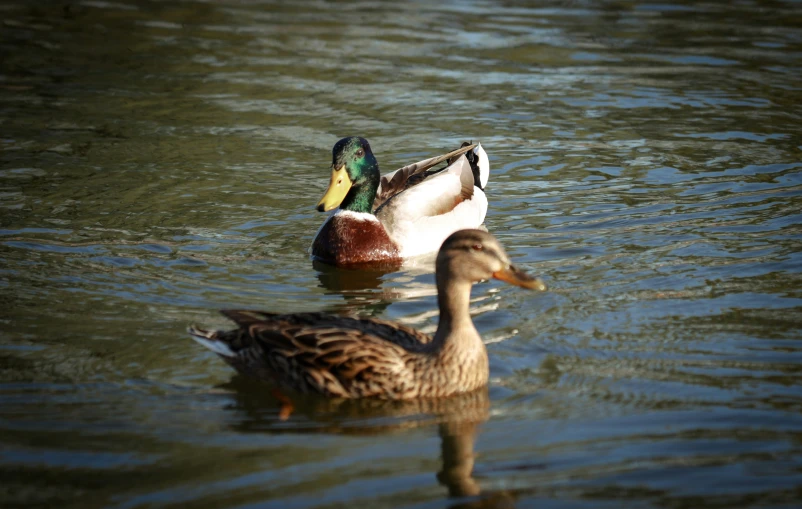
161	160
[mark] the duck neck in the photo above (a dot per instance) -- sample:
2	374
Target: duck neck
453	298
361	195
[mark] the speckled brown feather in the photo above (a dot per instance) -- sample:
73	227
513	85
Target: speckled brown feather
333	355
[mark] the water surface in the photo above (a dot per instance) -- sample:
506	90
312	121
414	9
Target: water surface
159	161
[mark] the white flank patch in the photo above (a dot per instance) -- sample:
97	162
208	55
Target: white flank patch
427	234
217	347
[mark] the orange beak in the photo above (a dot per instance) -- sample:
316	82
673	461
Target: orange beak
517	277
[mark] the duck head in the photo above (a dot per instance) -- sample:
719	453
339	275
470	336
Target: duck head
354	177
474	255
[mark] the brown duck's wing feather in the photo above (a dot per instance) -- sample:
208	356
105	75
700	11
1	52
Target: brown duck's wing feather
327	325
412	174
334	355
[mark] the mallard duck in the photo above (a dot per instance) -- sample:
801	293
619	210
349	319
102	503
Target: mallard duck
406	213
348	357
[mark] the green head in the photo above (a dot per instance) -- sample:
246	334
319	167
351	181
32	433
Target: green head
354	177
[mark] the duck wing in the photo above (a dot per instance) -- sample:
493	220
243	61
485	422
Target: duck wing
407	176
316	352
420	218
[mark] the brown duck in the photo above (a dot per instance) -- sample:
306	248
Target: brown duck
347	357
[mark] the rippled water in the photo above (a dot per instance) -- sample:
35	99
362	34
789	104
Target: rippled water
161	160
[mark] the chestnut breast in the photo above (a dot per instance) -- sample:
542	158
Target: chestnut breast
348	240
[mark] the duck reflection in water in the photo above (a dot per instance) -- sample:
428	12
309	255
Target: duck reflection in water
458	420
369	292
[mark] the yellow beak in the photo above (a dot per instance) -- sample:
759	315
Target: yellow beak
338	187
520	278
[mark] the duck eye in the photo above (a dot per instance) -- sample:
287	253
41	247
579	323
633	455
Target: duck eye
477	247
360	153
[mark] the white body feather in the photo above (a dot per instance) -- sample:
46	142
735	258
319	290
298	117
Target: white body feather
413	219
426	234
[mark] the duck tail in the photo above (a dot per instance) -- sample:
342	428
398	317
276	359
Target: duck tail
480	164
211	340
484	165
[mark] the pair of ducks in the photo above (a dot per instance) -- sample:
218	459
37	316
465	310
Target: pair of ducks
416	209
